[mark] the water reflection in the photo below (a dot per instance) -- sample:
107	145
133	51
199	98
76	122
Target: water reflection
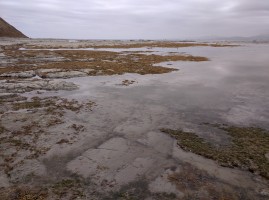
230	88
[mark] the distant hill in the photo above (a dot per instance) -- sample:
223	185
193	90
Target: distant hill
257	38
6	30
261	37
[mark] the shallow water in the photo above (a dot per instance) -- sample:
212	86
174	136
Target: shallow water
122	141
230	88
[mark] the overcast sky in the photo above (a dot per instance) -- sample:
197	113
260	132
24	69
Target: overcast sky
137	19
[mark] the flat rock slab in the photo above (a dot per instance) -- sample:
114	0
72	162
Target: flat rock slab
25	74
115	162
20	86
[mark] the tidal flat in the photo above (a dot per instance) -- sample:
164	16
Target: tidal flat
133	120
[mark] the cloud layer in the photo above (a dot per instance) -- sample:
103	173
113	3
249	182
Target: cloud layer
135	19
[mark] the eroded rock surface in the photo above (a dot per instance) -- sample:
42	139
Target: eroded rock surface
20	86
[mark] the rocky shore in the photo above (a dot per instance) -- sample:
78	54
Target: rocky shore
116	123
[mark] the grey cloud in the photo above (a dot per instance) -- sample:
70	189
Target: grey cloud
253	6
127	19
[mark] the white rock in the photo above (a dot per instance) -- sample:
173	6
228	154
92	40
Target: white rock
29	85
47	70
25	74
59	73
86	70
65	74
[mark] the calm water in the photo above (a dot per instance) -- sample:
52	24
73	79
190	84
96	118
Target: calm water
231	88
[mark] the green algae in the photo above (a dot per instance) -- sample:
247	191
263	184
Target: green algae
247	150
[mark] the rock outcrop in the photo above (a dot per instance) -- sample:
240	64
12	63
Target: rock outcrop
21	86
6	30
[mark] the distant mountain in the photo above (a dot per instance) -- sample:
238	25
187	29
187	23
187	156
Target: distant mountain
6	30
